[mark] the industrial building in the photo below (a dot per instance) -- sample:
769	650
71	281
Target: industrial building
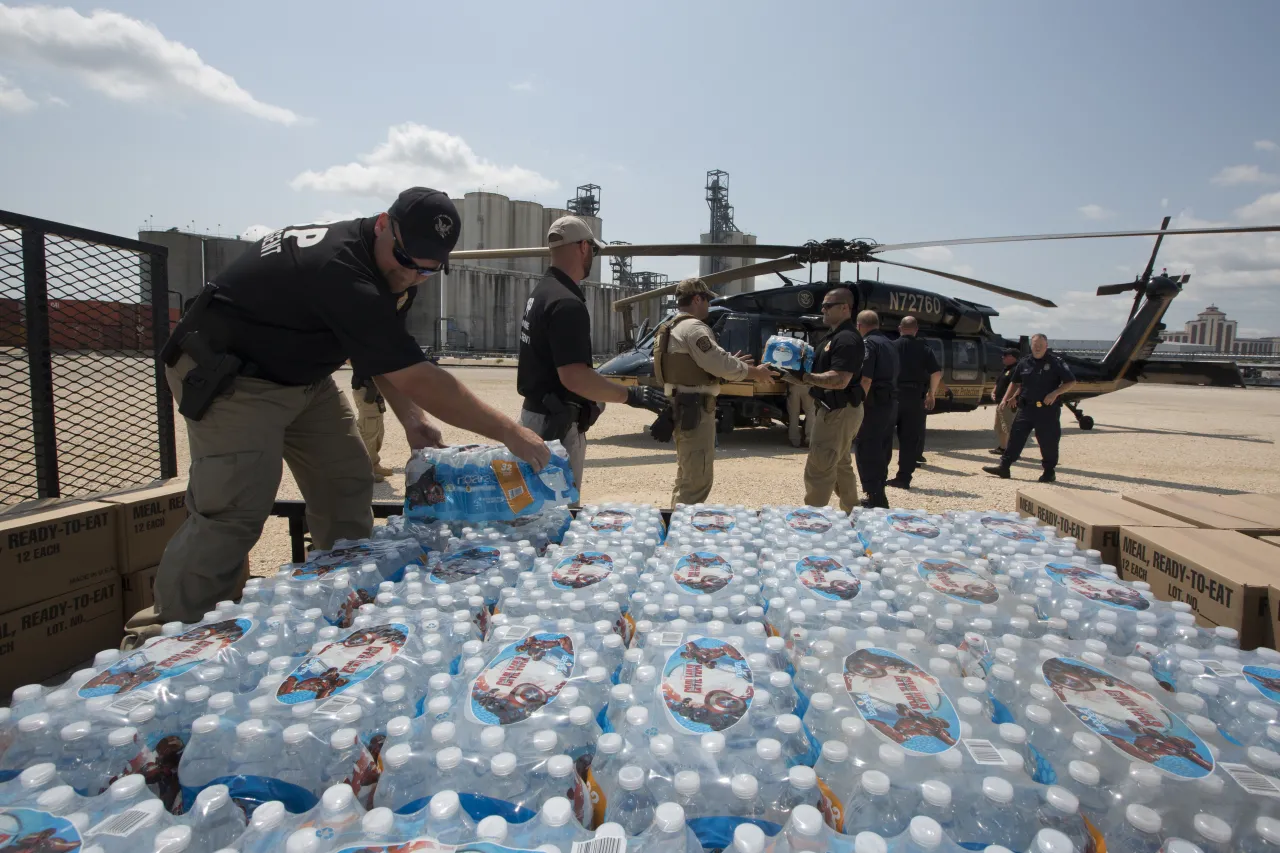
724	231
1213	330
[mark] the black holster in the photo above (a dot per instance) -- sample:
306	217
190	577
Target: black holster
664	427
213	372
560	416
688	408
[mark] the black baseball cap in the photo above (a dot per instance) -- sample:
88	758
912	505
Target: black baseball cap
1012	351
429	223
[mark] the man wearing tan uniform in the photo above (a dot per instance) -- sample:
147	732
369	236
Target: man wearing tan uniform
690	364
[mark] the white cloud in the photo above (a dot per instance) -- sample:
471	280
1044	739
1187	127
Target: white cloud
1266	145
122	57
55	101
1095	211
1233	175
416	155
13	99
255	232
522	86
1262	209
932	255
1164	204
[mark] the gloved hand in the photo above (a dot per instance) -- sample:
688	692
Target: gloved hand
635	397
790	376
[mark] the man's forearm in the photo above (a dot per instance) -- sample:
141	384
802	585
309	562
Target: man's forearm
406	411
437	391
1064	388
1011	393
833	380
935	379
585	382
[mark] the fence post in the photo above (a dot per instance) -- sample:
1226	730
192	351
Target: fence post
40	361
157	264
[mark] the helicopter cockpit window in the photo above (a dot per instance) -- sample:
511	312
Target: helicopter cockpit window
735	334
964	361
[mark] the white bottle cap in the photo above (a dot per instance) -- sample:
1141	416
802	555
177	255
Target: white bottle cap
122	736
638	716
821	701
56	799
748	838
891	755
250	730
443	733
1142	818
174	839
213	798
555	812
875	782
580	715
1212	828
558	766
502	764
1086	742
1084	773
835	750
713	743
612	742
379	821
75	731
631	778
337	798
444	805
267	816
869	842
807	820
1012	733
997	790
744	786
668	817
768	749
544	740
1038	714
1268	828
925	832
397	755
1053	841
1060	799
935	793
297	733
687	783
125	788
493	828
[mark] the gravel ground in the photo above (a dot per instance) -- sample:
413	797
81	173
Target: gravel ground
1151	437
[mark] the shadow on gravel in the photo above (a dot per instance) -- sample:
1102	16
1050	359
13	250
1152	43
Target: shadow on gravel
1116	478
1228	436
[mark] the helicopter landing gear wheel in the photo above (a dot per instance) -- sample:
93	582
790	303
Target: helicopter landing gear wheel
1085	422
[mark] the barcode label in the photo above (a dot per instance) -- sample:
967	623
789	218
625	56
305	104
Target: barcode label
336	705
1251	780
510	632
983	752
129	701
669	638
122	825
608	844
1221	668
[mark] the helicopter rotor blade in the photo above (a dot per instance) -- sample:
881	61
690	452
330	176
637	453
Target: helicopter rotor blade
973	282
722	250
1084	235
714	279
1116	289
1151	264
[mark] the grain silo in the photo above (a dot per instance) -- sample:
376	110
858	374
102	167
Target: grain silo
487	225
527	230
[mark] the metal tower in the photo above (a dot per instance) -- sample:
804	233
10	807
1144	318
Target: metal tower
586	202
721	212
623	276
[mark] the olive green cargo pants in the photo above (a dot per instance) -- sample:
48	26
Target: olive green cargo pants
695	457
829	463
237	451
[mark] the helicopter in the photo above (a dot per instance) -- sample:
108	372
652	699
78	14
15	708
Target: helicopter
959	331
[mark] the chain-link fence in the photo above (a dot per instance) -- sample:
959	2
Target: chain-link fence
83	403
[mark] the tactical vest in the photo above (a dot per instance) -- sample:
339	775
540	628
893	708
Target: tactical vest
677	368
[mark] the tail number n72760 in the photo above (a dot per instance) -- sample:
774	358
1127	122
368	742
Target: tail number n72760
920	304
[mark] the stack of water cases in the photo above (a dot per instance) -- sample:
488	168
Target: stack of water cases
781	679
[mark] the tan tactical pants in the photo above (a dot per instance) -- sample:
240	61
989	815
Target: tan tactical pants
798	400
575	443
829	463
695	458
1004	421
369	423
237	451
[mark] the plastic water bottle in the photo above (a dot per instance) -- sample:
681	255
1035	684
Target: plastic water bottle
405	777
447	821
668	832
267	830
804	831
936	803
216	820
873	807
633	806
994	819
555	824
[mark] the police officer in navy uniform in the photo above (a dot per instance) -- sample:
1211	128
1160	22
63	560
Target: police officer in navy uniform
918	378
1039	381
874	445
250	364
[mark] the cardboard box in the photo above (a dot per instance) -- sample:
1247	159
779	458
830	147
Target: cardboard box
43	639
54	551
1223	574
138	590
148	519
1257	515
1093	519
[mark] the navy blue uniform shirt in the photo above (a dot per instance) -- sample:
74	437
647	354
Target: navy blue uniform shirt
1039	376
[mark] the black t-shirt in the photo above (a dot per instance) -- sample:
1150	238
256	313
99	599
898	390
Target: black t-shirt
555	331
880	363
916	363
305	299
1003	380
841	350
1039	376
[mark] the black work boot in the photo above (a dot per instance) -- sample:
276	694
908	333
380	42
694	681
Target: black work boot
1048	477
899	483
1001	470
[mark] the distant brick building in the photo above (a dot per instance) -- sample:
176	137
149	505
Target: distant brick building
1212	328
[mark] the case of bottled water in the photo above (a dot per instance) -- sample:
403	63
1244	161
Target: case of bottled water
787	353
484	483
804	527
640	524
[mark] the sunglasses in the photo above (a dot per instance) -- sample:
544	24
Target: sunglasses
827	305
402	257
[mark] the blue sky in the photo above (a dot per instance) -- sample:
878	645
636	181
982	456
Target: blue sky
895	121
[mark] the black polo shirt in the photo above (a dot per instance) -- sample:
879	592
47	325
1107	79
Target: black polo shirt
305	299
1039	376
1003	380
555	331
840	350
880	364
916	363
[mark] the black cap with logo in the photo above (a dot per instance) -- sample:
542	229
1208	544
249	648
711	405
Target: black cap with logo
429	223
1012	351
